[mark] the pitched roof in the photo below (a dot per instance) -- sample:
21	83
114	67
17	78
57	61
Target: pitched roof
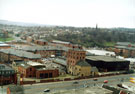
94	69
21	53
82	63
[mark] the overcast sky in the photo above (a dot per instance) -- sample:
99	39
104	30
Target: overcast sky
105	13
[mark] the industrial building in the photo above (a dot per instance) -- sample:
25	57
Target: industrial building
106	63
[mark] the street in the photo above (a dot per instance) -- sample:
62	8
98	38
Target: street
67	85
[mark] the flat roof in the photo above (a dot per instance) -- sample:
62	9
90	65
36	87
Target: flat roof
58	41
100	52
34	63
104	58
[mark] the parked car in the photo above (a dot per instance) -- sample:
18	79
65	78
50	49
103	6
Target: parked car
85	86
105	81
95	79
47	90
75	82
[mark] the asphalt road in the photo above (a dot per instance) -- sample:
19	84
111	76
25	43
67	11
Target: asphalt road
68	85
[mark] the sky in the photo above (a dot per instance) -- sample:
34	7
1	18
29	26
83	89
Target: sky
79	13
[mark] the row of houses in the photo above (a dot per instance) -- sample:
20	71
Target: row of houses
43	42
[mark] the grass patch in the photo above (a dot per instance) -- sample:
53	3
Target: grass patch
6	39
109	44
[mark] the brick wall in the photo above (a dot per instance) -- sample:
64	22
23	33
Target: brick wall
74	56
47	73
8	80
7	57
5	47
39	42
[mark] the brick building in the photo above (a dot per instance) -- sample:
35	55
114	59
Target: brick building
9	55
66	44
38	70
7	75
125	51
41	42
82	69
4	45
47	51
73	57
